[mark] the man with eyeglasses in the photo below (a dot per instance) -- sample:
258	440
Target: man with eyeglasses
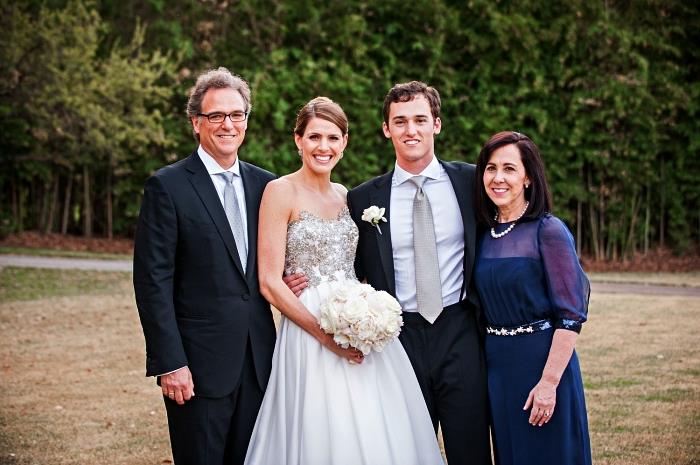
207	328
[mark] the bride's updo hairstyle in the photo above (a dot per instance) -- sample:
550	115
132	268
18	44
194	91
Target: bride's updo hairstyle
324	108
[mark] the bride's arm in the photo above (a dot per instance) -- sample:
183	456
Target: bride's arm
275	213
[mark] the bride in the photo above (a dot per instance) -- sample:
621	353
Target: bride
326	405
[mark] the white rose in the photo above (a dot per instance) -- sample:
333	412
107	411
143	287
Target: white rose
365	328
386	301
355	309
373	214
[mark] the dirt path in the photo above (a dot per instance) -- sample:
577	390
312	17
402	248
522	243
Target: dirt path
31	261
633	288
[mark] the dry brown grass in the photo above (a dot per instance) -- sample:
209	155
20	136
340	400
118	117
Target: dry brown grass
641	367
73	390
73	385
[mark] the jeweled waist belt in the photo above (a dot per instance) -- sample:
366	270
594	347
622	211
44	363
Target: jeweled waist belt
529	328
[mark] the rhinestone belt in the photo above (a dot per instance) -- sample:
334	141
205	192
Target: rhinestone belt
517	330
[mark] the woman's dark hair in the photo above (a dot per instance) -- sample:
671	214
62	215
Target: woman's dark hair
537	194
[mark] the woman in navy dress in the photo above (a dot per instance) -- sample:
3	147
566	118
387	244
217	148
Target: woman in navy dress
535	297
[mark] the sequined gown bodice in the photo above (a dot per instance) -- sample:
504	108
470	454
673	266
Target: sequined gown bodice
321	248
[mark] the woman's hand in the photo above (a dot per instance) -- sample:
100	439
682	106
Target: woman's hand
542	399
351	354
543	396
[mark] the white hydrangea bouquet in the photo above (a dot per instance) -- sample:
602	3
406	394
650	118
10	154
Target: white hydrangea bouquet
359	316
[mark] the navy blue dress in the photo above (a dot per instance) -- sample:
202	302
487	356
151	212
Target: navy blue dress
532	275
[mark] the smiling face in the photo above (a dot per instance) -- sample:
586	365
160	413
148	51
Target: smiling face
221	140
321	145
412	130
505	179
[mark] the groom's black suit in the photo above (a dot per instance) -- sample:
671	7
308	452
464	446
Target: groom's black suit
200	309
448	355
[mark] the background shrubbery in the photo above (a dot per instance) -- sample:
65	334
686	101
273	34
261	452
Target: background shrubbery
92	99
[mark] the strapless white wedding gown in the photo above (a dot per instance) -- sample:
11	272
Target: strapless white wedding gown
318	408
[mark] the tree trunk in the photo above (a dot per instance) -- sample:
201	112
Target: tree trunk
601	220
44	198
592	217
110	228
630	243
579	214
15	201
53	205
662	206
87	205
579	217
647	219
66	203
21	207
34	205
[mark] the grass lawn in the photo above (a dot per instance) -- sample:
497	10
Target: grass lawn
74	391
63	253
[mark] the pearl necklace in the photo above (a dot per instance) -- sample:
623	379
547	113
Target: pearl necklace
509	228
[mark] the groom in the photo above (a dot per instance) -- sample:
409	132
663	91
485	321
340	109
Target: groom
424	255
208	330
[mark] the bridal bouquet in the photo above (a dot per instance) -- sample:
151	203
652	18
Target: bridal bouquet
359	316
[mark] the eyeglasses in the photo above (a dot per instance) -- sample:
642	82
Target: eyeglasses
218	118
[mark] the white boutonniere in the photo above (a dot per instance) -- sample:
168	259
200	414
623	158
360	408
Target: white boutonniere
374	215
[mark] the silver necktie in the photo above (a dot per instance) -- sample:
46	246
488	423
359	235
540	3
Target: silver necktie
428	284
233	214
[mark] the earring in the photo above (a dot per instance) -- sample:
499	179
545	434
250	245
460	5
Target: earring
341	154
299	152
527	185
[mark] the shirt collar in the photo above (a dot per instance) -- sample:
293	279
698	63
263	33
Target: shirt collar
432	171
213	167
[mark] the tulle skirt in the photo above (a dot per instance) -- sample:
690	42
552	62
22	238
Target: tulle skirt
321	410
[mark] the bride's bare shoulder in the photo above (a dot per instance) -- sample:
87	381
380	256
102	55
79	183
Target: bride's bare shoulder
283	185
281	192
340	189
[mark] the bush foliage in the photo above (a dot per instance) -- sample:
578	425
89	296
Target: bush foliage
92	99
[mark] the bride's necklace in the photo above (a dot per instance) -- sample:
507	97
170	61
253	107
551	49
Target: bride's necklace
496	235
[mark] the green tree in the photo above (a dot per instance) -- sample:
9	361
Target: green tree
91	120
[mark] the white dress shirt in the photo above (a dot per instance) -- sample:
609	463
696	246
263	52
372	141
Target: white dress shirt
214	169
449	233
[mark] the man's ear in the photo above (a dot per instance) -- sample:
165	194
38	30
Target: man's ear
195	124
385	128
437	126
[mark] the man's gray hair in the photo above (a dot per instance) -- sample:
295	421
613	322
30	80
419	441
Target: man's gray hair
220	78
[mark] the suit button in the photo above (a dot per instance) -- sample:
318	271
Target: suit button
245	297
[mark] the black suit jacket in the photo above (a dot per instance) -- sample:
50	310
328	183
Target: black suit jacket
375	260
197	305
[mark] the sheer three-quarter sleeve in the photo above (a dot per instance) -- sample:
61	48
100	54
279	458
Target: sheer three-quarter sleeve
567	284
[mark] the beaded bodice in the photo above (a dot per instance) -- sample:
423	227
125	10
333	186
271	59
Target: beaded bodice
321	248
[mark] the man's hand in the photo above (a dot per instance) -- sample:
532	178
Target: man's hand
178	385
296	282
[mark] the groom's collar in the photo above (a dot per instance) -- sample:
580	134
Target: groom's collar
432	171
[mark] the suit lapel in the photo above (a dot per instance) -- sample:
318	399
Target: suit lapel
381	197
204	187
253	187
463	186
